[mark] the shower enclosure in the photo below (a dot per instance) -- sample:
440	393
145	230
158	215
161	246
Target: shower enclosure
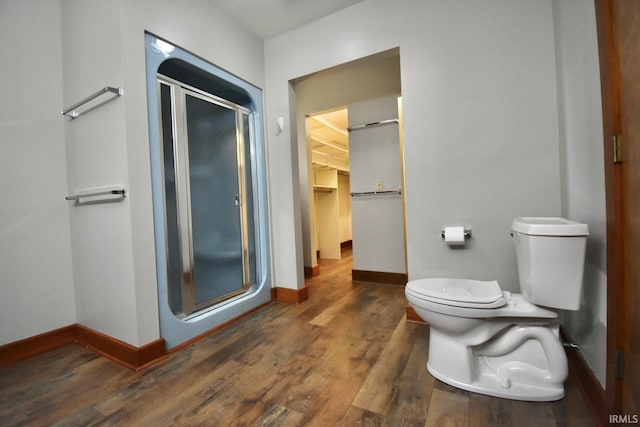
207	200
208	173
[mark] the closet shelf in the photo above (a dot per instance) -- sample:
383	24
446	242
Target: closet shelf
325	188
341	170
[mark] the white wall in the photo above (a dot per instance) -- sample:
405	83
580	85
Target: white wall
97	156
480	122
583	191
36	278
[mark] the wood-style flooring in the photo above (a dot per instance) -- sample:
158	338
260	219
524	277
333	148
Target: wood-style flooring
345	357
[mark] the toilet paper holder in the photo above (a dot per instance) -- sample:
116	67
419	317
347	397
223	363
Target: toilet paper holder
467	233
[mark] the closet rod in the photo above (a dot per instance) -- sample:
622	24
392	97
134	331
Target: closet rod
375	193
70	112
373	124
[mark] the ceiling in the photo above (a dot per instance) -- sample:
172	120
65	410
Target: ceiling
269	18
329	139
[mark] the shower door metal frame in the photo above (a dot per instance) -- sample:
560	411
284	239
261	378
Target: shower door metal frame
179	91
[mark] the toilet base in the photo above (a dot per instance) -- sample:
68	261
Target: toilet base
490	386
520	363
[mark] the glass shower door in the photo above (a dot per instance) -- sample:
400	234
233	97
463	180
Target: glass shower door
206	205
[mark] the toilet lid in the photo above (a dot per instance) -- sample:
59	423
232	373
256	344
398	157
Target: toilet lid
461	292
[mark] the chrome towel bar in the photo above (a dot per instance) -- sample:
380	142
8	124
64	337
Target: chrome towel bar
373	124
71	111
98	192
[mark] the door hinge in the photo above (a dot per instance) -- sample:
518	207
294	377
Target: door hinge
617	148
619	364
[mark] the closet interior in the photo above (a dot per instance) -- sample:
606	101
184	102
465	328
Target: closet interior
328	140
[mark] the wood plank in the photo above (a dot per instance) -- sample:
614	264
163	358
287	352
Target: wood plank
486	411
573	410
47	399
532	415
361	417
54	363
376	393
279	416
448	408
325	393
330	313
414	386
188	399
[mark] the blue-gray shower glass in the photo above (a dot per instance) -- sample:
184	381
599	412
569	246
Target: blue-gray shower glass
215	212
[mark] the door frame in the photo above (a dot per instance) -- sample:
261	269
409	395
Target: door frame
180	139
614	192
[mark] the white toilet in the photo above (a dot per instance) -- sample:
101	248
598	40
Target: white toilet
490	341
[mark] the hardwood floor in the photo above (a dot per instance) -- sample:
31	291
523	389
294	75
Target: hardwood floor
346	357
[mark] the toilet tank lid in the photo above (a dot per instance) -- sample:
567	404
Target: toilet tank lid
549	226
458	290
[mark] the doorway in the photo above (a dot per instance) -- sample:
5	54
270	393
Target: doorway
327	91
328	142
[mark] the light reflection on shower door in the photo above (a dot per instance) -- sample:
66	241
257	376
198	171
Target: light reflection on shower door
208	201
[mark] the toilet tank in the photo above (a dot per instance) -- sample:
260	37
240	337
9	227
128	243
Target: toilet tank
550	253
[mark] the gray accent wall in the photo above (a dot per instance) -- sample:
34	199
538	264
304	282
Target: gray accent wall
582	168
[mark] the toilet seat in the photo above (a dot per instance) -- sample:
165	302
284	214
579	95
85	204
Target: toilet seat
507	304
460	292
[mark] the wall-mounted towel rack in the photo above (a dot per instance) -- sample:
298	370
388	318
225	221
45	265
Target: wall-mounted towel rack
376	193
71	111
102	194
373	124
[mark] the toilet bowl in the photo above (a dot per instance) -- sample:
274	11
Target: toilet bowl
474	348
486	340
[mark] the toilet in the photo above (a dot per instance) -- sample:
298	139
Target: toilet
494	342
